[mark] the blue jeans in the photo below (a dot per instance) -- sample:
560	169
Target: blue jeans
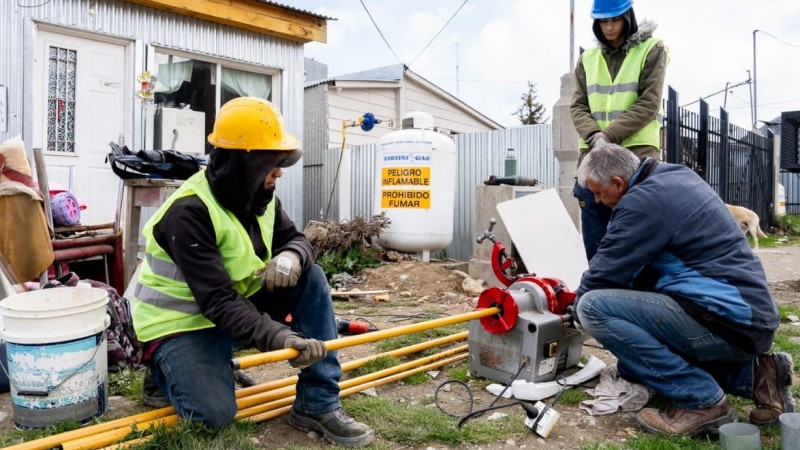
657	344
594	219
193	373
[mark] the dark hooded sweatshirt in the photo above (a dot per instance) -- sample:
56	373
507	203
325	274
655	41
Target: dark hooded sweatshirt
187	234
651	85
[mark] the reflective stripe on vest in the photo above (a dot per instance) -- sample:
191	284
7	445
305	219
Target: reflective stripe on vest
162	303
609	99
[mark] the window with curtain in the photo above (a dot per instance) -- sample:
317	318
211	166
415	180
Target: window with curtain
240	83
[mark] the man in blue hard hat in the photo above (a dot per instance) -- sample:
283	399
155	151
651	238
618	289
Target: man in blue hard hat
617	98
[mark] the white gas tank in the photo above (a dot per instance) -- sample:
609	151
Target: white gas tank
416	185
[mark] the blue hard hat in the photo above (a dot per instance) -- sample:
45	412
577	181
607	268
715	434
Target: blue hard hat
606	9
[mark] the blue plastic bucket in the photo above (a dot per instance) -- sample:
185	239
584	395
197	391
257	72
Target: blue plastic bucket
57	355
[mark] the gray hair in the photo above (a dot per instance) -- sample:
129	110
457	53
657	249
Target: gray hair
605	162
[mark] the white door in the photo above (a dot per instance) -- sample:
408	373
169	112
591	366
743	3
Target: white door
80	105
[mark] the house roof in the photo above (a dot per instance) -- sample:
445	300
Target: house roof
394	74
261	16
304	11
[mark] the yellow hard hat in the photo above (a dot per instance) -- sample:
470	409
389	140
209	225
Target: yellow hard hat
251	123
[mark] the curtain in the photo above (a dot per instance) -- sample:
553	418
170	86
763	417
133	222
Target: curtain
170	76
247	84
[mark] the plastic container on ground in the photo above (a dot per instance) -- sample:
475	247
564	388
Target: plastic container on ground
415	179
57	355
781	203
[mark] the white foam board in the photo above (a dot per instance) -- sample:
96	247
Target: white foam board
545	237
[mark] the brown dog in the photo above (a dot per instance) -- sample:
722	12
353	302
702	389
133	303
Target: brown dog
748	220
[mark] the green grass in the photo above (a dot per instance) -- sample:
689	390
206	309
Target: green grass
776	240
409	425
658	442
194	436
380	363
421	336
126	382
12	437
572	397
788	224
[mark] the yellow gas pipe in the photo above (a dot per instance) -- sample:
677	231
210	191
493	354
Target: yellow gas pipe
256	403
263	358
108	437
349	341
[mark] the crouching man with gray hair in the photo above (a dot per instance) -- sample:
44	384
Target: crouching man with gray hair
678	296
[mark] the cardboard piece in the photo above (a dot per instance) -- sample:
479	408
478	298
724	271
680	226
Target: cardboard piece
545	237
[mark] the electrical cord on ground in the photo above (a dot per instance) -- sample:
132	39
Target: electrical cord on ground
530	410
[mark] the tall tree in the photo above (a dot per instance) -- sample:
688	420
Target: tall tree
531	112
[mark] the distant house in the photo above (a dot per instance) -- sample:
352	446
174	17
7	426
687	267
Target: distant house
70	69
386	92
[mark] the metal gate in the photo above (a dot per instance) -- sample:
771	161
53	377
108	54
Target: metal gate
738	164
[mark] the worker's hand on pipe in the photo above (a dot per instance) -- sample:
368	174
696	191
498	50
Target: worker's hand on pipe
596	139
311	351
282	271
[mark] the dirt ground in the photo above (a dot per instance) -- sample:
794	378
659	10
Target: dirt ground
415	288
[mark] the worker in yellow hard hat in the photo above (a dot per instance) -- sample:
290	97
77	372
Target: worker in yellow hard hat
225	263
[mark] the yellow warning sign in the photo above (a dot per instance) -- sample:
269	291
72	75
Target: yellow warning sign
406	199
406	176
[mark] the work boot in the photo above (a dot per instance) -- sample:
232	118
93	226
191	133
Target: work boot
337	427
771	392
687	422
151	394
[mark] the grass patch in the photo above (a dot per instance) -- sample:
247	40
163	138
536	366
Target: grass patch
126	382
421	336
572	396
404	424
13	437
460	372
787	310
380	363
788	224
417	378
776	240
658	442
195	436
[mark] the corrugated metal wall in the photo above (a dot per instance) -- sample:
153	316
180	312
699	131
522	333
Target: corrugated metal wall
478	156
146	26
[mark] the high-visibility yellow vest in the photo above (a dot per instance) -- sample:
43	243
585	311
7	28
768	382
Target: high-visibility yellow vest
162	302
608	98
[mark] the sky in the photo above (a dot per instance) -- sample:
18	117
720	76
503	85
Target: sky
491	48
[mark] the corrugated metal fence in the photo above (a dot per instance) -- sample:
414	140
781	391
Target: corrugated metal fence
478	156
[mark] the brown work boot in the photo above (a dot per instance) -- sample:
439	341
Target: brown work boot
771	392
687	422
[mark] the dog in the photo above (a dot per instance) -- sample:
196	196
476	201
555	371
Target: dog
748	220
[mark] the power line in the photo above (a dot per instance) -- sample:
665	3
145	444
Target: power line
379	31
779	40
437	33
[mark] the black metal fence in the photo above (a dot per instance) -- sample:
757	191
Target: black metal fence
738	164
790	160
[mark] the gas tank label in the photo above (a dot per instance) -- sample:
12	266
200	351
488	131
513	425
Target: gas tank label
406	176
394	198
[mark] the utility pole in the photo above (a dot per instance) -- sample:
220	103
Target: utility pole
755	85
571	35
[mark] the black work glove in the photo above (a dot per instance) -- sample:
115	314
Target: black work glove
311	351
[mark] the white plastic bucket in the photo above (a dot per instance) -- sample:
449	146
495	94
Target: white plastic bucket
57	355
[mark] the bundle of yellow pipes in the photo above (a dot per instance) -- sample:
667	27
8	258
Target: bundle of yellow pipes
269	400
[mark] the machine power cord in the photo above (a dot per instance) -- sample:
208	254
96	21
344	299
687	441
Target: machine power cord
530	410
